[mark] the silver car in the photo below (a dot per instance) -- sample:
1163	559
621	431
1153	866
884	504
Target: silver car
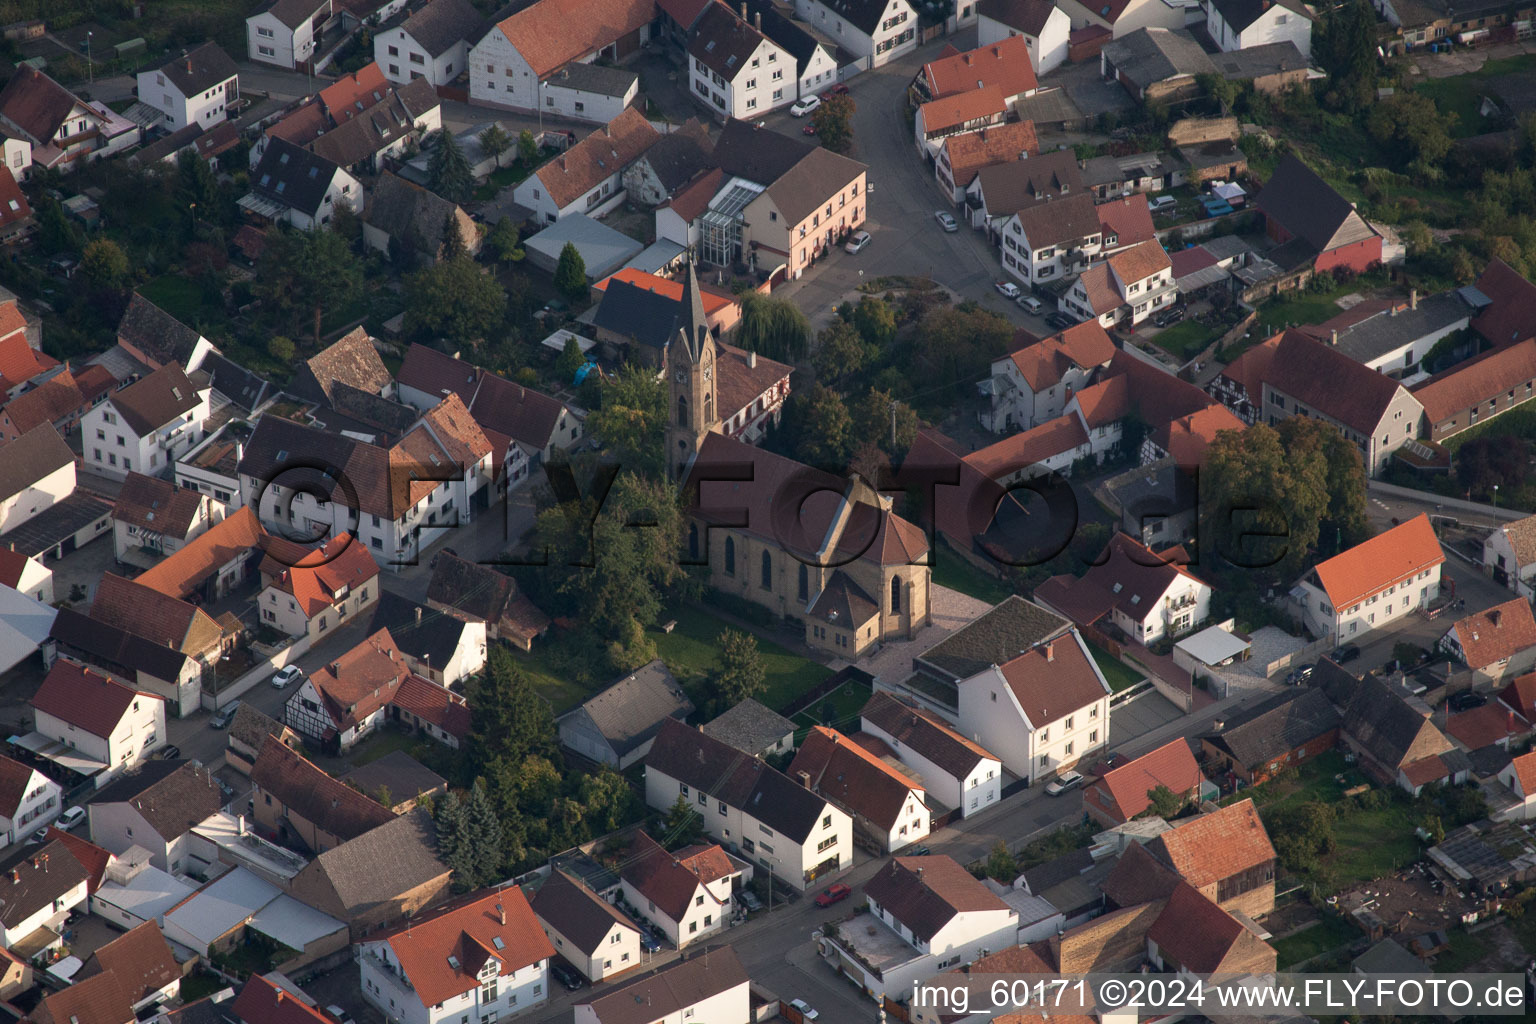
947	221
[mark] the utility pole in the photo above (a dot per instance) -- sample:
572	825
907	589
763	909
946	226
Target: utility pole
89	64
893	425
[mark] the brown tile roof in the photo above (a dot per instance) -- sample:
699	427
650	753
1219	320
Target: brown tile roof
1251	369
1008	456
1124	789
1011	187
101	999
1487	377
554	32
1083	346
1496	633
185	571
30	458
171	796
1512	315
1520	694
1372	566
156	505
154	336
663	878
925	893
605	152
930	736
576	912
1522	540
36	104
351	94
1484	726
141	959
53	401
362	680
842	602
132	606
1139	262
14	208
1137	878
85	698
1128	576
162	397
1330	382
723	42
963	107
1028	16
91	858
435	704
969	152
812	182
1187	437
738	384
456	430
1216	845
442	950
351	360
663	994
1130	220
1059	221
15	778
262	1002
852	777
362	135
308	792
1004	64
1053	680
481	592
1099	288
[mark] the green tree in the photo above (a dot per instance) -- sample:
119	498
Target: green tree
571	360
1001	864
198	190
607	800
955	346
454	300
684	825
104	263
823	428
305	273
495	141
773	327
875	321
1308	441
571	273
281	349
56	233
448	173
452	247
631	420
872	420
527	149
739	671
483	830
1165	803
502	242
508	717
840	353
833	121
453	847
1344	43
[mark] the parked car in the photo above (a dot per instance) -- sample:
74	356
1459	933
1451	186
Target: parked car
1060	321
1063	783
170	752
946	221
915	850
338	1014
1346	654
70	818
286	675
833	894
804	106
1162	204
859	242
809	129
805	1010
1007	289
222	718
1032	304
1466	700
1169	316
748	899
1300	675
837	90
567	976
648	940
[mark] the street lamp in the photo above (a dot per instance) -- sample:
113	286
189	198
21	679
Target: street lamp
90	66
1495	495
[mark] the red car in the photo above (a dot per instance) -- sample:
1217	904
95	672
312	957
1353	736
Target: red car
833	894
809	129
836	90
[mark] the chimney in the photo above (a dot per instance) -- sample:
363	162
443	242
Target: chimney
805	779
1050	651
502	912
751	360
1493	617
919	874
1333	337
280	995
418	615
240	825
1413	298
758	20
743	10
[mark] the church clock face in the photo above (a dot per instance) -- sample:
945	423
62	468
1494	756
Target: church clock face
682	376
709	372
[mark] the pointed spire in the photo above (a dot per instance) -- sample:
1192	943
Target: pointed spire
695	325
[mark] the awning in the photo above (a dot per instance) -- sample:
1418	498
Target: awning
271	209
64	756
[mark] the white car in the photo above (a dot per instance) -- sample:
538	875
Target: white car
1031	303
946	221
805	1010
1161	203
70	818
1064	782
1007	289
340	1015
286	675
859	242
805	106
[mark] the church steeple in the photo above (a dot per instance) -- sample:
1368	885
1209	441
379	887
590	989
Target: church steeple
690	367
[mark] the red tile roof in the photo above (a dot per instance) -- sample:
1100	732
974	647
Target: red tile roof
1195	933
1217	845
354	93
1129	218
1099	289
443	950
1426	770
664	879
1520	694
1128	576
1330	382
262	1002
141	959
853	778
362	680
713	299
435	704
1496	633
14	780
12	565
1525	771
1010	455
52	401
11	319
14	207
605	152
969	152
20	362
1187	438
1083	345
1187	261
1485	378
1484	726
1139	262
1251	369
962	108
85	699
692	201
554	32
1004	64
1512	316
92	858
184	572
1386	559
1125	788
314	579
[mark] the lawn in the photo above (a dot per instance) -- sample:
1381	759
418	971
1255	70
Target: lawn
690	650
1462	95
1302	307
839	709
1325	936
1465	951
1117	673
954	572
183	298
555	686
385	741
503	177
1184	340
